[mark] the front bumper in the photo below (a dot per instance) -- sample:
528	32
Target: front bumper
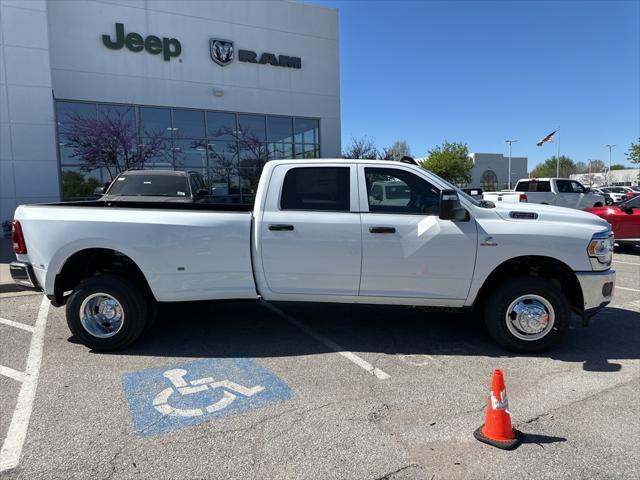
23	275
597	290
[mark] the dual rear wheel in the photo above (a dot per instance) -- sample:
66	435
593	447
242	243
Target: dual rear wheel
108	312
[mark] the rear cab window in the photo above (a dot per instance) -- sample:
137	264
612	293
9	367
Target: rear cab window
317	189
533	186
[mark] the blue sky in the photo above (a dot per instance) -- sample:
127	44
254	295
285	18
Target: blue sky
484	71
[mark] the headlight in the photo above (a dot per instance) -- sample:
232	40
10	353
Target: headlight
600	252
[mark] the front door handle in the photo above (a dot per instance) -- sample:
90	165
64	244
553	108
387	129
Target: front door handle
281	228
382	230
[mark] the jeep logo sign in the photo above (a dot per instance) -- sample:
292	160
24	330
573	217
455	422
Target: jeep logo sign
168	47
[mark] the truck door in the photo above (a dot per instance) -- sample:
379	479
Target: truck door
566	196
310	230
407	251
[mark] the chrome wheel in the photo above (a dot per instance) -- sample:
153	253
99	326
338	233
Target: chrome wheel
530	317
101	315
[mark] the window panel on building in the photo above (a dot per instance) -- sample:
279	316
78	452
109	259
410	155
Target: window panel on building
280	129
307	130
190	155
307	150
79	184
155	121
221	125
251	128
188	123
277	150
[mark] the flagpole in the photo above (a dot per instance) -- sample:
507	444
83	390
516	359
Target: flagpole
558	155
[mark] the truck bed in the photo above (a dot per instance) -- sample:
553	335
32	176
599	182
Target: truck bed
186	251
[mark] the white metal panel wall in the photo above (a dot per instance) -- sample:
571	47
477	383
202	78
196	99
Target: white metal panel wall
28	161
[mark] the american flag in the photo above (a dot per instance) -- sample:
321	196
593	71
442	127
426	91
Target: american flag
548	138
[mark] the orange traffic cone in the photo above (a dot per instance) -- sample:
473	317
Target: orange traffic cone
497	429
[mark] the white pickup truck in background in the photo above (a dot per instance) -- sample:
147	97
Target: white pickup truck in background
561	192
349	231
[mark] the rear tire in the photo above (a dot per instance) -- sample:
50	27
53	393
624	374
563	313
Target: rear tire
527	314
107	312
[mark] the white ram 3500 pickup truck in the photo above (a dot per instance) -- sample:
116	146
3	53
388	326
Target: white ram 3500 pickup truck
561	192
317	233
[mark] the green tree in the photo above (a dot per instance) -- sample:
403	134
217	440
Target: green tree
451	161
75	185
617	166
634	155
548	168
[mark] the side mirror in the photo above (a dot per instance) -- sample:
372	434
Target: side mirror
450	207
99	191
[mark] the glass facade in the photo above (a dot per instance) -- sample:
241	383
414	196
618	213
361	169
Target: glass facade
96	141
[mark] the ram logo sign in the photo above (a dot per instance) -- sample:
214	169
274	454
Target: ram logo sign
221	51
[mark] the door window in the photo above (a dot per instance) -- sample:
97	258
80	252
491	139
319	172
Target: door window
577	187
316	188
397	191
564	186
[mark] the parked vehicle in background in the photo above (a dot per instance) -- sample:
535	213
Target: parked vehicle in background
157	186
561	192
320	231
619	194
624	220
607	198
475	193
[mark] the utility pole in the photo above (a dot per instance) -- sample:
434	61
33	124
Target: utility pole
609	146
509	180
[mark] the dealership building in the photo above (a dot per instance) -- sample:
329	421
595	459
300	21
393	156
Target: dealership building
90	88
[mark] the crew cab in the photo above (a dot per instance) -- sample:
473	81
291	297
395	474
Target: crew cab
561	192
318	232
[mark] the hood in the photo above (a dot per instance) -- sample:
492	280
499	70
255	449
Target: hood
550	213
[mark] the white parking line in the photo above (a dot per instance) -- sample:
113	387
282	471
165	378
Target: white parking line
12	446
11	323
626	288
11	373
361	362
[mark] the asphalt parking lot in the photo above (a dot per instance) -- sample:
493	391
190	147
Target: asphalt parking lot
316	391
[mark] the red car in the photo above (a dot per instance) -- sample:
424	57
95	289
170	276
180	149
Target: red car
624	219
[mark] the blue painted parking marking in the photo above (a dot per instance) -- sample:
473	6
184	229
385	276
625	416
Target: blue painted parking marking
163	399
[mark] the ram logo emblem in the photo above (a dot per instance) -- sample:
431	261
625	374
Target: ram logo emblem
221	51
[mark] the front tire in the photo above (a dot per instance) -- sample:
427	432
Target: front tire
107	312
597	204
527	314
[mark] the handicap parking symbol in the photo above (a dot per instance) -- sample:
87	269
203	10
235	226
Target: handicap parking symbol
166	398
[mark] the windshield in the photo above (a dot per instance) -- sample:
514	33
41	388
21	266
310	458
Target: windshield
152	185
634	202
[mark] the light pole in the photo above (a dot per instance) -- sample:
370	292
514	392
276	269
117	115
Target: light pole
609	146
509	142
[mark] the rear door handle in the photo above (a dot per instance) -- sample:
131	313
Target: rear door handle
382	230
281	228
